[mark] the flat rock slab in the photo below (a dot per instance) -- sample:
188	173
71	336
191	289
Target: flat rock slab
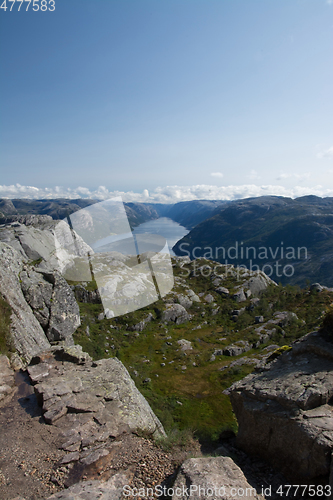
212	477
95	490
91	402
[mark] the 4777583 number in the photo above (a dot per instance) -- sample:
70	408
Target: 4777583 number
42	5
308	490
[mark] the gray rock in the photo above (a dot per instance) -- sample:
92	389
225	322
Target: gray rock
284	318
238	312
222	291
239	296
283	412
212	477
209	298
258	284
95	490
27	335
185	345
316	287
50	242
64	311
38	293
235	350
175	313
53	303
102	390
7	382
193	296
259	319
184	301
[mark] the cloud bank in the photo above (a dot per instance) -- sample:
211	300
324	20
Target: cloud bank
168	194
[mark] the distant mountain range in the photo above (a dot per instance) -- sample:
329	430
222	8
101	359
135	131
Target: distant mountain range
187	213
290	240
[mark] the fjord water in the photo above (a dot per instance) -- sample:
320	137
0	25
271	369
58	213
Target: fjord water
169	229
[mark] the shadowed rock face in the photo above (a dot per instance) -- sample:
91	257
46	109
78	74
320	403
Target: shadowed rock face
284	412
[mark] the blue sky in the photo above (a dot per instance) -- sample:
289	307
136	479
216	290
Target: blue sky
221	98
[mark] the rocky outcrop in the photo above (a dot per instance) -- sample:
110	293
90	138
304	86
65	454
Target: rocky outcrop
49	244
284	412
93	402
53	303
27	336
213	477
43	305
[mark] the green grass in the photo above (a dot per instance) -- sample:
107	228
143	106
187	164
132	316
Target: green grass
5	312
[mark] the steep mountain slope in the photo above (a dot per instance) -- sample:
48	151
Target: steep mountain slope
290	240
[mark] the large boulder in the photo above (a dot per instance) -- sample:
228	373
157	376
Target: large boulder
26	334
175	313
258	283
212	477
284	412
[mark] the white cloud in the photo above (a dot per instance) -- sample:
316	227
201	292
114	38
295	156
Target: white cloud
298	177
167	194
217	174
329	152
329	2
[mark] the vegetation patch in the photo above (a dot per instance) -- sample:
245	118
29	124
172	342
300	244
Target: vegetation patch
5	312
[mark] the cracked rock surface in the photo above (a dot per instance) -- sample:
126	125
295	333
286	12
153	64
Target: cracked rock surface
92	402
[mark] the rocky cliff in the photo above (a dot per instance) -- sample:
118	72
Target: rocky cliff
284	411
